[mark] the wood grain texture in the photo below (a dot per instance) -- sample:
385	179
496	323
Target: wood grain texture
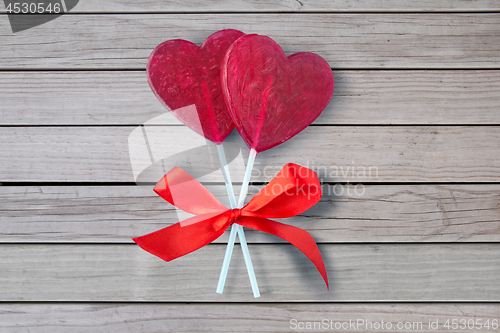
199	6
402	272
214	317
376	213
360	97
349	41
353	154
393	65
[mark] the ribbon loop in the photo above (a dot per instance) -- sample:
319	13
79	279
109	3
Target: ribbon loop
183	191
296	189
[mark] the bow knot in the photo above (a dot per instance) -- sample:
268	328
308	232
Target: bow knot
235	215
294	190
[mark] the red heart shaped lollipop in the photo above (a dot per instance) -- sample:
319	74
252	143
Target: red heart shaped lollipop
272	97
182	74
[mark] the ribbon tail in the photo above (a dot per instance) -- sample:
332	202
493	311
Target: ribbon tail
176	241
300	238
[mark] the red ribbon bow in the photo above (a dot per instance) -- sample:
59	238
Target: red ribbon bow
294	190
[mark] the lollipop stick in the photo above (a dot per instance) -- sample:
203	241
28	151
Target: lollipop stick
241	234
226	175
235	229
227	259
246	178
232	234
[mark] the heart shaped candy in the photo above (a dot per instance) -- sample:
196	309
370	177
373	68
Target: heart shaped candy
272	97
187	77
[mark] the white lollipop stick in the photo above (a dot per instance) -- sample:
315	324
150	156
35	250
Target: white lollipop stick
237	228
226	175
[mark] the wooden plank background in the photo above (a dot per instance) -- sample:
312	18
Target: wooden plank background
374	97
374	213
416	100
285	6
104	318
358	272
346	41
356	154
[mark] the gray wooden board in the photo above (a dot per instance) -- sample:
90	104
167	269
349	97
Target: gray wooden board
342	153
199	6
383	272
360	97
357	272
380	213
351	41
215	317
